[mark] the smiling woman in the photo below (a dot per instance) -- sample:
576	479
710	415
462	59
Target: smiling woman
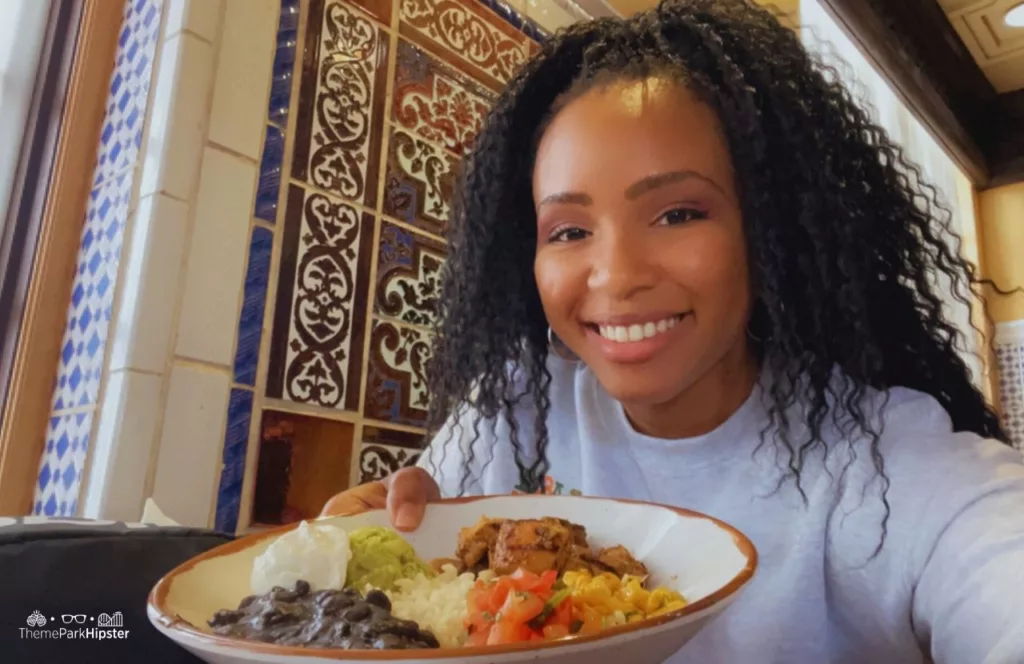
743	267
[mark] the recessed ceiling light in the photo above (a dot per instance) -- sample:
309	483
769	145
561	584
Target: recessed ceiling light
1015	17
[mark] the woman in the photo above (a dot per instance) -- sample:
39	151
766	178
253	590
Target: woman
685	267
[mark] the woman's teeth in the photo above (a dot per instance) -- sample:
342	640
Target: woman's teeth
627	333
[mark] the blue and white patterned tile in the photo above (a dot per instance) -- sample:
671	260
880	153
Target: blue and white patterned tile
60	471
250	321
284	63
232	474
1009	351
270	175
92	295
128	95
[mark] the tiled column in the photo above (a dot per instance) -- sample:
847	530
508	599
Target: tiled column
82	373
1009	346
171	365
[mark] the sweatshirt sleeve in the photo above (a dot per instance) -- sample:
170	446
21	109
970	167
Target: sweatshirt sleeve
968	603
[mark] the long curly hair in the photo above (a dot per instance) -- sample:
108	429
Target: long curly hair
843	233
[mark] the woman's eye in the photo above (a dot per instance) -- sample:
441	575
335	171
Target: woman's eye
568	234
681	216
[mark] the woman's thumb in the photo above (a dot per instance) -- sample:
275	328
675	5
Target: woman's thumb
409	491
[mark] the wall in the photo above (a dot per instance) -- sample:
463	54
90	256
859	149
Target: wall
260	255
114	198
1001	212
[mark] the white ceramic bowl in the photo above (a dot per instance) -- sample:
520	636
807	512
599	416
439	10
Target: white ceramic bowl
708	561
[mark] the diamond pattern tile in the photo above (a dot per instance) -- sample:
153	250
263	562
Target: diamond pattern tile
128	95
92	295
1010	358
60	471
80	366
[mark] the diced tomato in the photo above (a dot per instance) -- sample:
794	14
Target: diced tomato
521	607
506	631
500	591
556	631
539	584
562	615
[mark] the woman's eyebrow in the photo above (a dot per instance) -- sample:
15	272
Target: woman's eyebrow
567	198
652	182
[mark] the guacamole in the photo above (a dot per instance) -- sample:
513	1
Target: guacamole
379	557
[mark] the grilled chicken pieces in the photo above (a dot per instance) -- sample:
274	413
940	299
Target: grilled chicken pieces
538	545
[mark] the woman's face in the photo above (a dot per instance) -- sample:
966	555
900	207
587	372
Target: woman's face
641	261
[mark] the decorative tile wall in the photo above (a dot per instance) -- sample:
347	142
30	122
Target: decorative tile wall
250	336
1009	346
355	186
114	190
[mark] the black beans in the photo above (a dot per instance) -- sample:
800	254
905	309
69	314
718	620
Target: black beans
326	619
377	598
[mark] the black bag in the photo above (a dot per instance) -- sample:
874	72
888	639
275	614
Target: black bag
75	574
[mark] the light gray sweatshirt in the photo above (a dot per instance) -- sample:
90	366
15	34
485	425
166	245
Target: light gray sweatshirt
948	582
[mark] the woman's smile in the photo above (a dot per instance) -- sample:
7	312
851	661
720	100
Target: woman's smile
635	339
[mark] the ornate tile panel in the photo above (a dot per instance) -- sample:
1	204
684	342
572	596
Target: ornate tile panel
385	451
436	102
419	182
341	104
408	276
396	379
467	30
316	352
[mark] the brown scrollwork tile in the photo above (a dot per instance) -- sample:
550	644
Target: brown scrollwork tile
435	102
341	109
470	31
408	275
317	344
378	461
419	182
396	379
385	451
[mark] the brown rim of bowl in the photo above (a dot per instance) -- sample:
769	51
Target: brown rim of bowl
158	598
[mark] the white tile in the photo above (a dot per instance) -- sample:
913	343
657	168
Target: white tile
152	278
190	445
125	437
216	259
177	122
243	77
201	17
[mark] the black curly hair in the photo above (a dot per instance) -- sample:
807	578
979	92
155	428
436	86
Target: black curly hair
843	234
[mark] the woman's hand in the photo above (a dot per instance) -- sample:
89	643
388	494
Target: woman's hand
405	496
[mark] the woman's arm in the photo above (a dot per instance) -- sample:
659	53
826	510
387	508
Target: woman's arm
968	604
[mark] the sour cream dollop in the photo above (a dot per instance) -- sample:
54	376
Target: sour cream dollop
315	553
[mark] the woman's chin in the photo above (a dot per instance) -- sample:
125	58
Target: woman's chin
633	390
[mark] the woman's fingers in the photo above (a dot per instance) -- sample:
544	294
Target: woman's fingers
372	496
408	492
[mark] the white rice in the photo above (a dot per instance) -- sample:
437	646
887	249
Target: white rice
437	604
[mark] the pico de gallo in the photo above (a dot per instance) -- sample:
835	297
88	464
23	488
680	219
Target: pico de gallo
520	607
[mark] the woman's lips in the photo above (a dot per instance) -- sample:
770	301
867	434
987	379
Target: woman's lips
635	342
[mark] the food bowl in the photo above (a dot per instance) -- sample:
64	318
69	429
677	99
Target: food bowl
706	560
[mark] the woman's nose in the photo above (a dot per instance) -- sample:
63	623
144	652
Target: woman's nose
621	266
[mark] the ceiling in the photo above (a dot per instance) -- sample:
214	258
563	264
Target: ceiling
996	47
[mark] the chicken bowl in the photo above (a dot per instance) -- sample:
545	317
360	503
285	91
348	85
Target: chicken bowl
497	580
